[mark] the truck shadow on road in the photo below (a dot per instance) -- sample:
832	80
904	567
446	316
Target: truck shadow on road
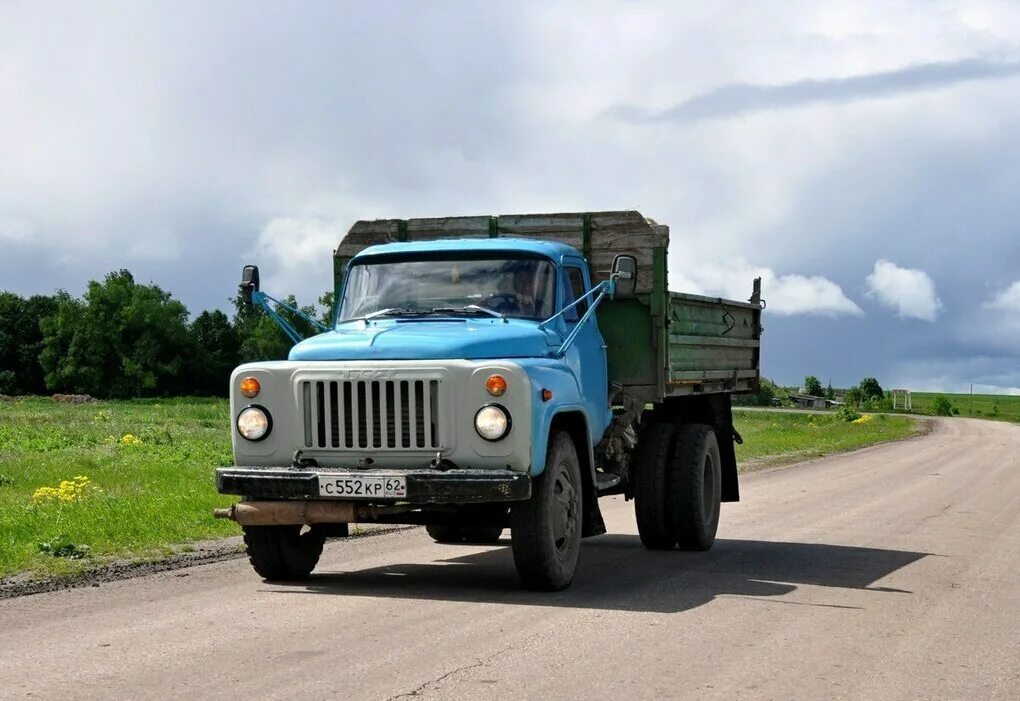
617	573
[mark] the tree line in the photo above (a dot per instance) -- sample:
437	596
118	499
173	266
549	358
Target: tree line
122	339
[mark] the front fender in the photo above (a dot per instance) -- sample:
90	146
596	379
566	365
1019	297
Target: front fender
566	396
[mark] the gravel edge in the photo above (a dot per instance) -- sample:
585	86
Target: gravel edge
200	553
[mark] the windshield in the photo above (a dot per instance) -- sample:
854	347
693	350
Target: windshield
494	285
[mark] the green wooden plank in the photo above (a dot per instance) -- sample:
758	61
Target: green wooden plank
681	340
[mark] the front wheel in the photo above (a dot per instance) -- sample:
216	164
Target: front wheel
283	553
546	529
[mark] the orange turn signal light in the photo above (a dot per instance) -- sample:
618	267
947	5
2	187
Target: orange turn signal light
546	395
250	387
496	385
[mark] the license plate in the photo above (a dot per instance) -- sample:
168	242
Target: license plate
362	486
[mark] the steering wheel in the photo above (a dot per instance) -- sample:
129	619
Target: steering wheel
504	303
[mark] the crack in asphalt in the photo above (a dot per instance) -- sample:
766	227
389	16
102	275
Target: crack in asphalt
480	662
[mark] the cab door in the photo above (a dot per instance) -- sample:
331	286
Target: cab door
586	357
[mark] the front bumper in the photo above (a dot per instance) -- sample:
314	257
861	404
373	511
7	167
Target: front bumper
423	486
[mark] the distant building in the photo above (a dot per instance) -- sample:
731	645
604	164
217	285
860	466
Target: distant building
808	401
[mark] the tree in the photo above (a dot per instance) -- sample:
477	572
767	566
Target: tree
812	386
261	338
853	396
121	340
327	302
870	389
21	342
217	353
830	393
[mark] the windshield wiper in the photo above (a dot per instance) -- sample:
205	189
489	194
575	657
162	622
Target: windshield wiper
390	311
469	308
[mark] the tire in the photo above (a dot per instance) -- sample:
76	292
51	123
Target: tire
464	534
695	487
283	553
652	462
546	529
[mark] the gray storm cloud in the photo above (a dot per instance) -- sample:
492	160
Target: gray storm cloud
742	98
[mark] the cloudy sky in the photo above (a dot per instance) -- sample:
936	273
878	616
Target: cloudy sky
864	159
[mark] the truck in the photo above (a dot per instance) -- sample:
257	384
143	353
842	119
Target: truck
494	372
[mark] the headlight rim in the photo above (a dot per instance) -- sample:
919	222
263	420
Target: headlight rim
505	412
269	422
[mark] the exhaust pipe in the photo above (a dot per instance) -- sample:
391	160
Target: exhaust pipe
301	513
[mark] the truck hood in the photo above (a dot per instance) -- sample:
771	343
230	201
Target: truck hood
429	339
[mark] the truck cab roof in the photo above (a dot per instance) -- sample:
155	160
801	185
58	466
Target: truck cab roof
549	249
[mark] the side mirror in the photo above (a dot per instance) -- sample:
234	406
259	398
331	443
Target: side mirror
625	273
249	283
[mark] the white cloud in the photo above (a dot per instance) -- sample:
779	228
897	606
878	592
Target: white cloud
785	294
295	255
911	292
1007	299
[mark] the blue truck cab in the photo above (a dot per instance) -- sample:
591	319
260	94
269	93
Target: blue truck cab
466	385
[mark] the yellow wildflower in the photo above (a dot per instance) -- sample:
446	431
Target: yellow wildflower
863	420
67	491
128	439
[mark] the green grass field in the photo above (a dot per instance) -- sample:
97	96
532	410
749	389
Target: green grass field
1002	407
148	474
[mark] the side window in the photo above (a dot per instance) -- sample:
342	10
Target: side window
575	283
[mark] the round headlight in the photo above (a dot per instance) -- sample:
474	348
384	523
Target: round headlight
492	422
253	423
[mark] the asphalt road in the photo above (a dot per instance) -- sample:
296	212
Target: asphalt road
887	573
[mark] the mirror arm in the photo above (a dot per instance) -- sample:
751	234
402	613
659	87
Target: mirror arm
605	289
607	286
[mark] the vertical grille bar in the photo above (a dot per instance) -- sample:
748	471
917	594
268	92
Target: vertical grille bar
355	406
348	416
369	415
431	428
334	416
327	413
306	405
426	438
412	414
320	414
384	414
341	427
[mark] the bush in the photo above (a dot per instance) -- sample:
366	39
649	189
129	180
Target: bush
847	413
853	397
941	406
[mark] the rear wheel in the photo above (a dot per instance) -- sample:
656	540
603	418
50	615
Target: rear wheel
464	534
283	553
695	487
652	463
546	529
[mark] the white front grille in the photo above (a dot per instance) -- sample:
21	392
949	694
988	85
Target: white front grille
365	415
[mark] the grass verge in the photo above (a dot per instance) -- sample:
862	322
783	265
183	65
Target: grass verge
145	470
780	437
149	468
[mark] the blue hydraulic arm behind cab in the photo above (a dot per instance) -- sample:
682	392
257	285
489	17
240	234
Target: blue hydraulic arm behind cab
266	302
